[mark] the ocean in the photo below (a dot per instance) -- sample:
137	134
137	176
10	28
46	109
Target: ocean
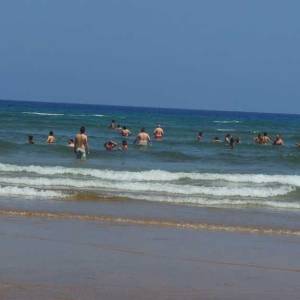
178	178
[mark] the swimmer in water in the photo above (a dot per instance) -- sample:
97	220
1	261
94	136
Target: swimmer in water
110	145
30	139
51	138
200	136
112	124
265	138
143	138
124	146
71	143
258	139
158	132
278	141
125	132
216	140
81	147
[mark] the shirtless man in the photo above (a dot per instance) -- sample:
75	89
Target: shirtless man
158	132
266	139
51	138
142	138
81	144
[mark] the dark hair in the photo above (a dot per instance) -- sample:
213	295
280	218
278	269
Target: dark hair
71	140
51	133
124	127
265	133
82	129
124	143
113	121
143	129
30	137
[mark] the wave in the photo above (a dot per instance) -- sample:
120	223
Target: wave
27	192
159	188
41	113
225	129
152	175
227	122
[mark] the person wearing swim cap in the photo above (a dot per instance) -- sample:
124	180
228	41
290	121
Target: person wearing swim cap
158	132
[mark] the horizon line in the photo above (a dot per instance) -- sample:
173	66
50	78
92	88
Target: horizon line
149	107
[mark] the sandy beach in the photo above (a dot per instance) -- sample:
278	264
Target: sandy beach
70	259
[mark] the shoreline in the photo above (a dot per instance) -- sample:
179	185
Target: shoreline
118	220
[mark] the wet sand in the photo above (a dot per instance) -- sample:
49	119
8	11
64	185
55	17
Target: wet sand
72	259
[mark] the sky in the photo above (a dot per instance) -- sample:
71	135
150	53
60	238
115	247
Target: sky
199	54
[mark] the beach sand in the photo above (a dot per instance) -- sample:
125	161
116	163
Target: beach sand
71	259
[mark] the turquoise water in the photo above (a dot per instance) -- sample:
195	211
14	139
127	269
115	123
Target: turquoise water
177	170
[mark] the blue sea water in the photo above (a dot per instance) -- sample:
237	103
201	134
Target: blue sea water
177	170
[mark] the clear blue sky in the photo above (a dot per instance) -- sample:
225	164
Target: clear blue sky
225	55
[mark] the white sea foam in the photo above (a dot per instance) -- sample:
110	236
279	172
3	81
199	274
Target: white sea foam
153	175
41	113
27	192
227	122
156	188
219	202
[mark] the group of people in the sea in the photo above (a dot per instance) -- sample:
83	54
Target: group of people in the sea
81	148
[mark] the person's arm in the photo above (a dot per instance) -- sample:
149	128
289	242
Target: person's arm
75	144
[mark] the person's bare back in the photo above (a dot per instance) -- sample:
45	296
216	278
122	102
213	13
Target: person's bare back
81	144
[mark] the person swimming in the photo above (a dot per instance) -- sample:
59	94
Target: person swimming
110	145
124	146
125	131
30	139
71	143
216	140
265	139
143	138
258	139
112	125
200	136
158	132
81	144
278	141
51	138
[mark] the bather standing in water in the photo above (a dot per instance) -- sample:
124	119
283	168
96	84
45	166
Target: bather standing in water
81	144
51	138
158	132
143	138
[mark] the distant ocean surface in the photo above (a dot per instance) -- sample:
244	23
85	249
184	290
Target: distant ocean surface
176	171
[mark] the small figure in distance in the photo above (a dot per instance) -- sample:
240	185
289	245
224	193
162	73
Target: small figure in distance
216	140
71	143
158	132
125	132
227	138
51	138
278	141
200	136
124	146
237	140
81	147
266	139
258	139
110	145
30	139
118	128
143	138
112	124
